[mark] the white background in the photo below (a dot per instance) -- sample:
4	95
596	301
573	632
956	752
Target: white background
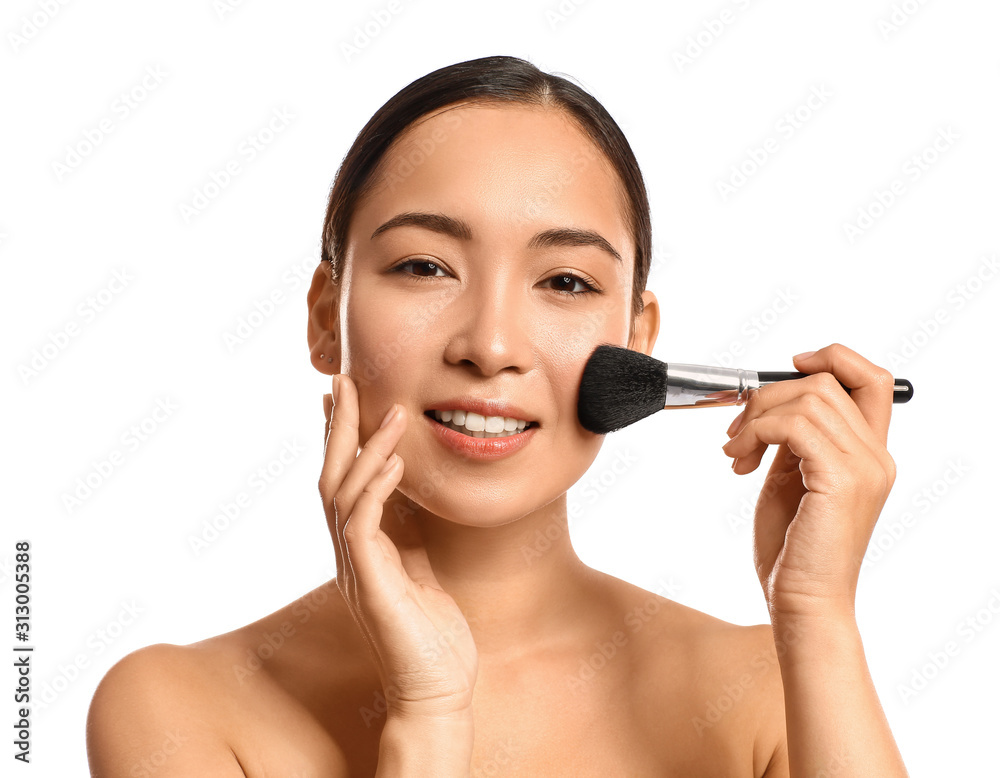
671	522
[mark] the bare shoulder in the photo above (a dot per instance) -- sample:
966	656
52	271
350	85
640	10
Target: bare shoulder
741	689
722	680
152	714
263	699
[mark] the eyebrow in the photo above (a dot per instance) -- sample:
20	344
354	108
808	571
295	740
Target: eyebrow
456	228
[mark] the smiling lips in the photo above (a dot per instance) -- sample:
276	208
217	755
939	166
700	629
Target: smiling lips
479	426
484	407
480	444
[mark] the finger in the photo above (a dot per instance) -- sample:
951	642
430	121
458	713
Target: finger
341	450
823	385
327	410
362	467
784	470
803	438
336	523
342	441
871	385
377	574
338	551
372	459
820	413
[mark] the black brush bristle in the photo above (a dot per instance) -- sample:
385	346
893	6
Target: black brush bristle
619	387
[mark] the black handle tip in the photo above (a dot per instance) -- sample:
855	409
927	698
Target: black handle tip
903	391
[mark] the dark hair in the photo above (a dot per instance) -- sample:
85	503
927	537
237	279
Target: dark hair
498	79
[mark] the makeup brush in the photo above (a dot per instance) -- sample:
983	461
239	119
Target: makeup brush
621	386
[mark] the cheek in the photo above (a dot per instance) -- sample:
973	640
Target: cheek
374	350
371	335
567	346
564	351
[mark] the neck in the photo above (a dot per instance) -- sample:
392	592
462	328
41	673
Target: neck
518	585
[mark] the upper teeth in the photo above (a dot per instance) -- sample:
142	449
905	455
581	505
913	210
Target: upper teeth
486	426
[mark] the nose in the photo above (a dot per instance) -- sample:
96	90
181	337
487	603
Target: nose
490	327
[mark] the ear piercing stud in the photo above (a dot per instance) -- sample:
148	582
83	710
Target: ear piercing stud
328	360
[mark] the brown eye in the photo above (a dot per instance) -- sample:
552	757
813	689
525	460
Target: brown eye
567	279
426	269
431	267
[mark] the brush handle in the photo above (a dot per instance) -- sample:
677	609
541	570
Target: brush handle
901	392
703	386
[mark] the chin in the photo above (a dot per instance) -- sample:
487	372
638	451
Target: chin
489	505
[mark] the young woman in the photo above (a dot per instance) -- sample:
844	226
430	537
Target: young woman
487	229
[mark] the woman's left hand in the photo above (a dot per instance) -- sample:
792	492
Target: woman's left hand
829	480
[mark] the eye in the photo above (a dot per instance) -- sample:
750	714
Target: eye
569	278
432	266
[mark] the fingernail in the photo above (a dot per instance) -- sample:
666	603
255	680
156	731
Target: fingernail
335	389
388	416
734	464
803	356
388	465
327	404
735	425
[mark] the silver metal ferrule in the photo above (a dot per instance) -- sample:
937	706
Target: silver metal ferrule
706	386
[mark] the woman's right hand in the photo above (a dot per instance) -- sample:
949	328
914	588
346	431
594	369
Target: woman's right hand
420	640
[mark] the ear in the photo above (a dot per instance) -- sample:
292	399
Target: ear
323	327
646	326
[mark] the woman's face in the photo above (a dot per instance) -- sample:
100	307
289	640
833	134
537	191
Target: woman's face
492	317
